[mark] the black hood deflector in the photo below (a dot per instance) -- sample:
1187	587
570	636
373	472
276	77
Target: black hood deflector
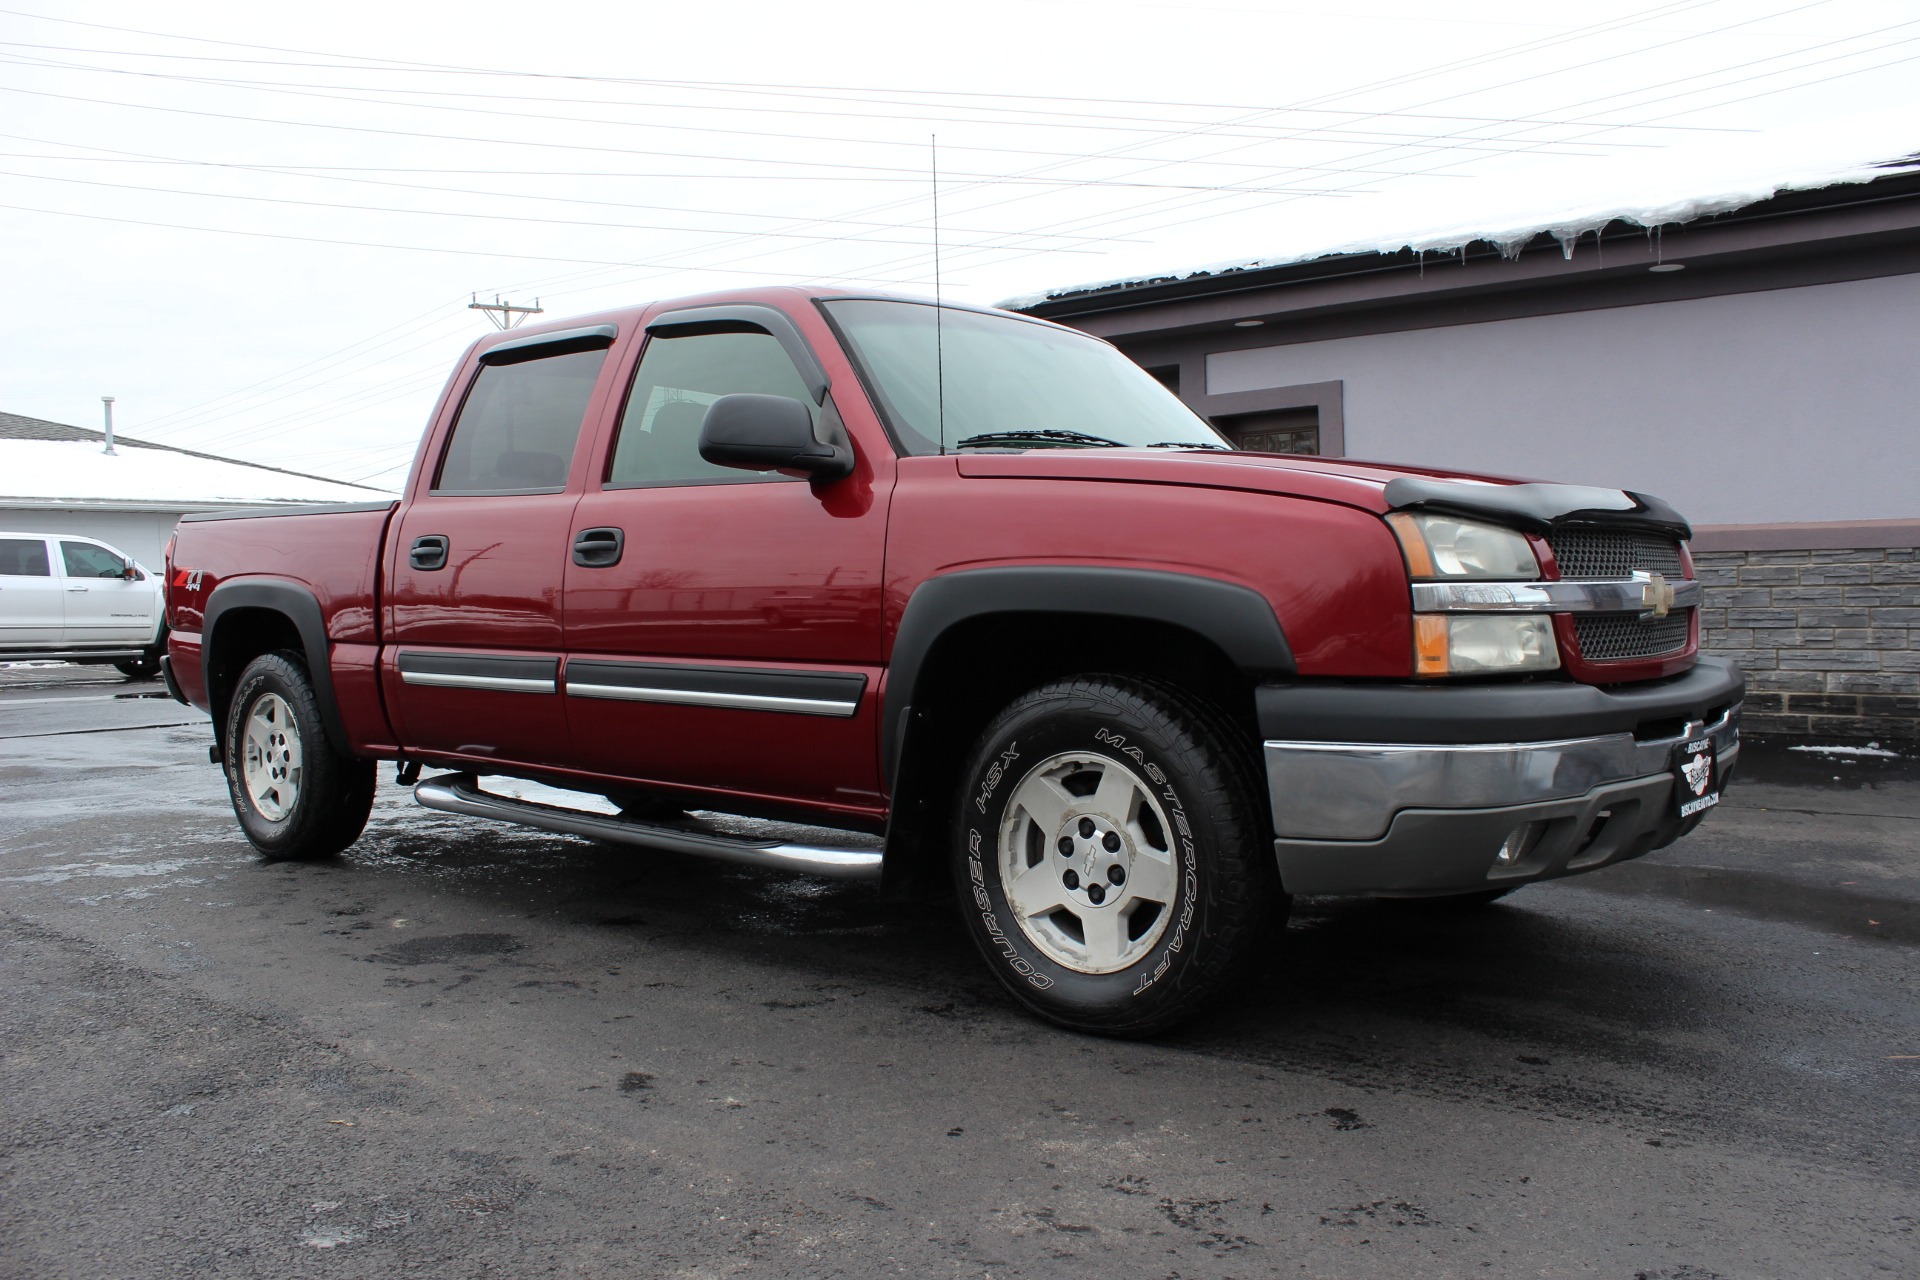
1538	508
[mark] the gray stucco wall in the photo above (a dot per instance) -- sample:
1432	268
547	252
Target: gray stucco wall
1784	406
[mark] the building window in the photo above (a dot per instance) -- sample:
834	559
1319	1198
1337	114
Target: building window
1292	430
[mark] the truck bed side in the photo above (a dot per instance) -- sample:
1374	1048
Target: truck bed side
243	583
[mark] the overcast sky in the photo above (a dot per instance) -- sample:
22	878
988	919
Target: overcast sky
259	226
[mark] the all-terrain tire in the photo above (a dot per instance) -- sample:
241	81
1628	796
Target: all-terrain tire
297	795
1125	818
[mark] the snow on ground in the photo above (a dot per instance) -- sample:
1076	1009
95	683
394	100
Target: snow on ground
1649	188
1873	749
79	470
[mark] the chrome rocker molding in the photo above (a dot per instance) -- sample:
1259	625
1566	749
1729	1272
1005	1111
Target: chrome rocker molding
461	793
496	672
504	684
706	698
1623	595
807	693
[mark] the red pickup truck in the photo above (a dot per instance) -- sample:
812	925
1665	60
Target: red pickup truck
957	597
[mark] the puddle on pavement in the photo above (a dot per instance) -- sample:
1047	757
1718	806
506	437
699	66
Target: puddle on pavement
1767	897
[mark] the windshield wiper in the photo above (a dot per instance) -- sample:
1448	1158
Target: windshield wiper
1039	436
1188	444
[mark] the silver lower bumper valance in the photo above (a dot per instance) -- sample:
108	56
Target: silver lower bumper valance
1351	791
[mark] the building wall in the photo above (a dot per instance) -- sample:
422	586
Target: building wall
1788	405
140	534
1829	639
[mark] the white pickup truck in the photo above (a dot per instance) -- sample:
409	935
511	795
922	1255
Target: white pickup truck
79	600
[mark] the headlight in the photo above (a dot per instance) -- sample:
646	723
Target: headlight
1438	546
1473	644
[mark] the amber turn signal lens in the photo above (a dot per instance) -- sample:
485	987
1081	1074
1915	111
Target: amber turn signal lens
1413	544
1430	644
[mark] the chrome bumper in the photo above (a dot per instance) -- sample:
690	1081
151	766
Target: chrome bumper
1405	819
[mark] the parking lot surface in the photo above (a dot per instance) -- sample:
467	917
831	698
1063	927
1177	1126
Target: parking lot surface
468	1050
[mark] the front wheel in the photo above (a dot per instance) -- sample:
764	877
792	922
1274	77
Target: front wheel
297	796
1114	864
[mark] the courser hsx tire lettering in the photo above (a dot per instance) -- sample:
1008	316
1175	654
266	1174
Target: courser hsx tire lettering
297	796
1111	854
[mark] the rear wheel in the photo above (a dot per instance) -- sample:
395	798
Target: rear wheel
1113	859
147	665
298	797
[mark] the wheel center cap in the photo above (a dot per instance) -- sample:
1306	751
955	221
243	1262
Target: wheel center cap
1094	859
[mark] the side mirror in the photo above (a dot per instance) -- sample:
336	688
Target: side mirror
774	433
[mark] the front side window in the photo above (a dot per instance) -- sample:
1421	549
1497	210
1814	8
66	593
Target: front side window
678	377
517	430
24	558
1008	383
84	560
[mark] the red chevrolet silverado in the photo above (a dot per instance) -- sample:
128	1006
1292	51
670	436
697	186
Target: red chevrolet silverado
865	586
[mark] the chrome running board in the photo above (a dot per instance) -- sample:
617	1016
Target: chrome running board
461	793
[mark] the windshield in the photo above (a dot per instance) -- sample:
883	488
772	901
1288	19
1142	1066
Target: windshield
1009	384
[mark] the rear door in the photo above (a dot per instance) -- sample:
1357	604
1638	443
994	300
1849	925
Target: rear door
734	644
30	604
480	551
104	607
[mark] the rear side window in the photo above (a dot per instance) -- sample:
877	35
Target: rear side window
24	558
678	378
84	560
517	430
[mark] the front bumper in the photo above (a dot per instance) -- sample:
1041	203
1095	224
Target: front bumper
1417	818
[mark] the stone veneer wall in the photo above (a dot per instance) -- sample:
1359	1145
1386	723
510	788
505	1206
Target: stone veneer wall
1829	639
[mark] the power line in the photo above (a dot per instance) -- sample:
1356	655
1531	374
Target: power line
116	157
1334	134
414	248
351	62
442	213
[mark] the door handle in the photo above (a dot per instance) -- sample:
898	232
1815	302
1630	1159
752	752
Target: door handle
79	588
598	548
428	552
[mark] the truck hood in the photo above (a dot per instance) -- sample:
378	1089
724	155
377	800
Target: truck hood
1372	486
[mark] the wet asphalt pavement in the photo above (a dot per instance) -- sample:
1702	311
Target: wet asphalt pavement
465	1050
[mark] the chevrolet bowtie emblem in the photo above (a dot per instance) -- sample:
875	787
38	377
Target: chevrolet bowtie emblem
1656	594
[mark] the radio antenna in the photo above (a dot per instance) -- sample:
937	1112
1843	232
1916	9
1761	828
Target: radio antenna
939	342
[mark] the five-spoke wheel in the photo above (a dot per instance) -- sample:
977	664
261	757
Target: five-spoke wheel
270	756
1087	862
1113	856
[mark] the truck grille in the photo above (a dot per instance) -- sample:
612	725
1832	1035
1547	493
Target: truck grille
1607	553
1607	637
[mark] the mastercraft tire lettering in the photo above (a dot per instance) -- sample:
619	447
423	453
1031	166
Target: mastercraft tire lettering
1112	856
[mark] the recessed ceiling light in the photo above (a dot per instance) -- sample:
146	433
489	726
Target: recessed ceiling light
1668	266
1248	324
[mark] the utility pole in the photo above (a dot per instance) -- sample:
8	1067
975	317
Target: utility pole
504	314
107	403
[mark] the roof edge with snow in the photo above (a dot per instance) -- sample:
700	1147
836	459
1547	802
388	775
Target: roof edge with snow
1510	237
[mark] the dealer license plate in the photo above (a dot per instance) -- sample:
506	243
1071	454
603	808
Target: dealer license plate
1696	777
